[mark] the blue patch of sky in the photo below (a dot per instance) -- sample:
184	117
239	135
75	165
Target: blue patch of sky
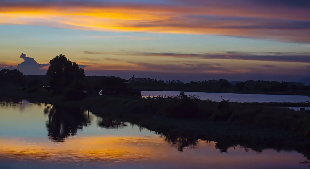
41	36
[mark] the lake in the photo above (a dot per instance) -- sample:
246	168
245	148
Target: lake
36	136
234	97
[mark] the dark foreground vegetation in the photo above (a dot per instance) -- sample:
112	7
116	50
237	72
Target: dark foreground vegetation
176	117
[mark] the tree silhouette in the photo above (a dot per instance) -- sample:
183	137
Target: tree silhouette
113	86
63	73
110	123
12	76
64	122
180	142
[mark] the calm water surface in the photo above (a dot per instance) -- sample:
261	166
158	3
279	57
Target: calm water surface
36	136
234	97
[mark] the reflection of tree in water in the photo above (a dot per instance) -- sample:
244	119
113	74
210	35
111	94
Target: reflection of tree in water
181	142
64	122
16	103
110	124
223	145
10	102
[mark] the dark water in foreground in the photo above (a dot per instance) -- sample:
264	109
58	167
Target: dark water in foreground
35	136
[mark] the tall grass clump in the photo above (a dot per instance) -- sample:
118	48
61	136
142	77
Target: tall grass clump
182	106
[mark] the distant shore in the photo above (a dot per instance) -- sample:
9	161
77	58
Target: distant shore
224	87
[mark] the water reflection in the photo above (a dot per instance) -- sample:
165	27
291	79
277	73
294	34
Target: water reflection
180	142
64	122
15	103
152	149
107	123
90	149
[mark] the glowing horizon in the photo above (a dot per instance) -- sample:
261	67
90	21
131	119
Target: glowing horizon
220	38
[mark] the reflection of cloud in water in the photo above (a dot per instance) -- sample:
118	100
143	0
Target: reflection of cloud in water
151	151
93	149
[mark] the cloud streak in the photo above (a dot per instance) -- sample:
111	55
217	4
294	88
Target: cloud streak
122	37
268	56
93	53
278	20
185	68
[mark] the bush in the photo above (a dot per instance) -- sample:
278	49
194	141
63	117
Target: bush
14	77
35	83
182	106
77	91
113	86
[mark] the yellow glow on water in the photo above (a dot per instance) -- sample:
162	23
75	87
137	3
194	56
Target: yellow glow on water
109	150
83	149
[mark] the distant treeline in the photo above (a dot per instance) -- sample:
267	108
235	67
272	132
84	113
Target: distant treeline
221	85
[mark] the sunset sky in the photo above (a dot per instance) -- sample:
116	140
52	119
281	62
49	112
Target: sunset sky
163	39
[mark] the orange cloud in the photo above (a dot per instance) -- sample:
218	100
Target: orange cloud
214	20
115	65
121	37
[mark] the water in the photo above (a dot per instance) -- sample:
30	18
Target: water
35	136
299	108
234	97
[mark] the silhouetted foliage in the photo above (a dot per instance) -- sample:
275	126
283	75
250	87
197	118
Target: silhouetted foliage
110	123
76	91
206	85
12	76
270	86
221	85
35	83
183	106
63	73
113	86
180	142
64	122
240	86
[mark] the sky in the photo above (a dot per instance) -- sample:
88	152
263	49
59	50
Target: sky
164	39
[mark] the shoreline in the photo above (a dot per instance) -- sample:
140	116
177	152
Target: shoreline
235	92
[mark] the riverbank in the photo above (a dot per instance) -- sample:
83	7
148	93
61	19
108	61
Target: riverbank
212	121
301	93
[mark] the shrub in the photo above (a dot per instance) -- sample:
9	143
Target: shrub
77	91
113	86
35	83
182	106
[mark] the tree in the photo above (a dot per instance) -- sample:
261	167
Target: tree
63	73
35	83
113	86
12	76
64	122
